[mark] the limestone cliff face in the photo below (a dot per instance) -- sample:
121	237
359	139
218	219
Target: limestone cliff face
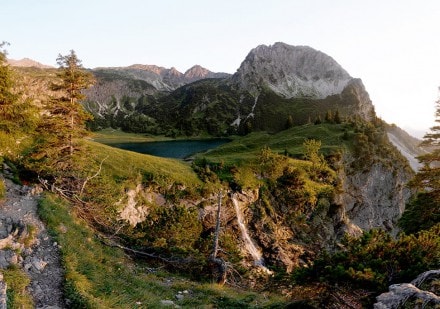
356	95
267	232
108	93
372	198
292	71
301	72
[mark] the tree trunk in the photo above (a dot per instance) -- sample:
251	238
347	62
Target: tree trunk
71	135
216	261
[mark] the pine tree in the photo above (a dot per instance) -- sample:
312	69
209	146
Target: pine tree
17	115
64	122
428	178
74	79
424	210
329	117
289	122
337	117
318	120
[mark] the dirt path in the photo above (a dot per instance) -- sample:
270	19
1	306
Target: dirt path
21	230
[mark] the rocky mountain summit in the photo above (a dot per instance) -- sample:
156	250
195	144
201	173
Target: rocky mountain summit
28	63
162	79
292	71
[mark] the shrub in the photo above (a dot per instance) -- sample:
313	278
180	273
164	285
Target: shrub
421	213
2	189
375	260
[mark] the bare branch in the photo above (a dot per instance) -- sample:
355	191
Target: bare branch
169	260
90	178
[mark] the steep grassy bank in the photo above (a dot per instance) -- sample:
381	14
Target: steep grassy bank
125	164
99	276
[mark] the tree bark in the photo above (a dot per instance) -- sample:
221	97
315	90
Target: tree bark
216	261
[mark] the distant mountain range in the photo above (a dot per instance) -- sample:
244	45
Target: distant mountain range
26	62
273	84
161	78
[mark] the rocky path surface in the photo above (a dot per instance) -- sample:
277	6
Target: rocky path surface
25	242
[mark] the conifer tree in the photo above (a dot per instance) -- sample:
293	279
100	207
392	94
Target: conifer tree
337	117
289	122
17	115
424	210
318	120
329	116
428	178
65	118
74	79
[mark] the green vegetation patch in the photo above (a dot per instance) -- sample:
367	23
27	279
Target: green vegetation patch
126	164
2	189
99	276
109	136
376	259
287	142
17	281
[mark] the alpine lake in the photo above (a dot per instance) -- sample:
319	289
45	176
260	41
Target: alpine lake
177	149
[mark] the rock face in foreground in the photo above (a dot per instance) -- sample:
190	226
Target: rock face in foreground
423	292
373	198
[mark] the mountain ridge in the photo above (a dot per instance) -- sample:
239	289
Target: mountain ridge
163	79
27	62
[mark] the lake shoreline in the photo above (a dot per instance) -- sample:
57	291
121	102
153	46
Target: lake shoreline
176	148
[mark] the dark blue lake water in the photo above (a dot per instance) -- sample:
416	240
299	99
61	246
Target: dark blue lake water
173	149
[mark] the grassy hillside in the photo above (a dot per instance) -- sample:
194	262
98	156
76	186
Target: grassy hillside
100	276
287	142
126	164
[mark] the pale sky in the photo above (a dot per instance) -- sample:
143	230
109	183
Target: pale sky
392	45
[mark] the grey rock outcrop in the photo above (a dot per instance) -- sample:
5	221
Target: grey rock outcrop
292	71
403	294
373	198
357	98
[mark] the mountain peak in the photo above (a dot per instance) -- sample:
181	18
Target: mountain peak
26	62
292	71
197	72
147	67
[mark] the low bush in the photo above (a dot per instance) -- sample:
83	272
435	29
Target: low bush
375	260
2	189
